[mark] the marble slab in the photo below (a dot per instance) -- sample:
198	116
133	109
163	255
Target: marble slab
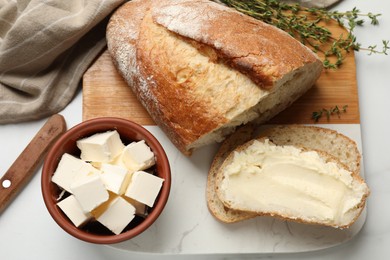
186	227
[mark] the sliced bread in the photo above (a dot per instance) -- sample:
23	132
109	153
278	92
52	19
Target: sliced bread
331	144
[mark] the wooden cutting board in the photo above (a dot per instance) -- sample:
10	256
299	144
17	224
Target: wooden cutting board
106	94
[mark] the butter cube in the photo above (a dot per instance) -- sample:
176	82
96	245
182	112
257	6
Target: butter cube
100	147
116	178
90	192
117	215
99	210
97	165
144	187
138	156
140	208
70	169
73	211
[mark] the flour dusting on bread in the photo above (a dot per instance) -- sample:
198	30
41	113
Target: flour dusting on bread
201	69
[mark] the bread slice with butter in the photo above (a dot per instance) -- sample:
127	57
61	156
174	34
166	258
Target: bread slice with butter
317	140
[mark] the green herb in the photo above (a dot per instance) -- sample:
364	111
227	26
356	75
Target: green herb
309	26
328	112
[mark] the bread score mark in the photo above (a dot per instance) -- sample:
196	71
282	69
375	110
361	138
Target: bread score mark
199	94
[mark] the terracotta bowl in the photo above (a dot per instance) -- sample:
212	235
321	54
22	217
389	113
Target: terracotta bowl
128	131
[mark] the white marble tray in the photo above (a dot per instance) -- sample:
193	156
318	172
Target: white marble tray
187	227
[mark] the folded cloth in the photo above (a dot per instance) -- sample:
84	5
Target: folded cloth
45	47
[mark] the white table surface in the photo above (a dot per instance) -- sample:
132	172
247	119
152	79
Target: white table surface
28	232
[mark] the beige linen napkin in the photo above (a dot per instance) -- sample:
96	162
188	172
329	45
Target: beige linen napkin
45	47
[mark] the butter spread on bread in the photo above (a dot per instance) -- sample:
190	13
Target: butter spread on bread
311	137
202	69
292	183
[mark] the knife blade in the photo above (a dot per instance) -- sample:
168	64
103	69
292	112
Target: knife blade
24	167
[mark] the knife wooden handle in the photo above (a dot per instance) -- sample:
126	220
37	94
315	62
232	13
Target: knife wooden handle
24	167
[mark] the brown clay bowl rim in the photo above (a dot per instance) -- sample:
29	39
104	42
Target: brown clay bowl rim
87	128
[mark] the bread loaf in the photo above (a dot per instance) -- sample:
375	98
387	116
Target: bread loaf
202	69
311	137
290	182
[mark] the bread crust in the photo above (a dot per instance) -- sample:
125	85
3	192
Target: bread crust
265	54
281	135
318	138
254	48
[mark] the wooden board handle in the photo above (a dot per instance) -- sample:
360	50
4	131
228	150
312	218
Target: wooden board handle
24	167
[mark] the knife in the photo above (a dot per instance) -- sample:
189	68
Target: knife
24	167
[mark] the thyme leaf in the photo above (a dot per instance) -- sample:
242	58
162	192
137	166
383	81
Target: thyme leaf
308	25
316	115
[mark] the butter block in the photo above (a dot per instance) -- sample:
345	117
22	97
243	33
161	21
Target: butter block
138	156
101	147
144	187
90	192
116	178
118	215
70	169
73	211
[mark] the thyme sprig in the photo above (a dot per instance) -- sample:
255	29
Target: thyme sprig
309	26
316	115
